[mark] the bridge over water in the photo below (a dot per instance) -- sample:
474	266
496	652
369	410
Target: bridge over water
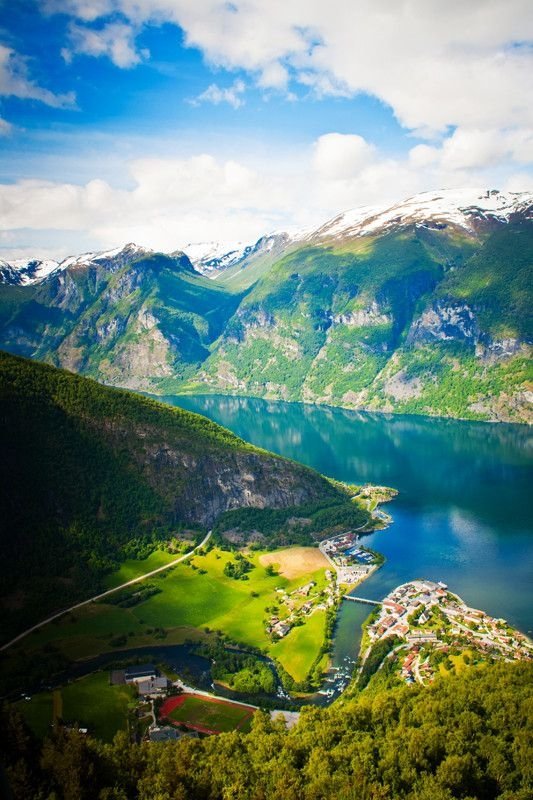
361	600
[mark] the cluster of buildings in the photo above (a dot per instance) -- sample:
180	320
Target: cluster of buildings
428	619
351	562
146	678
314	600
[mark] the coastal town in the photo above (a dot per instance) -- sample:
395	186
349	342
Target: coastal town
432	631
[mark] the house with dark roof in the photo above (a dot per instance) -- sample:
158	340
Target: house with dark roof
140	672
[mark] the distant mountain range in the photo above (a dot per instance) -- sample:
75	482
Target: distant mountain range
420	307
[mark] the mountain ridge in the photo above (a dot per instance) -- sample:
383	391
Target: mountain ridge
419	307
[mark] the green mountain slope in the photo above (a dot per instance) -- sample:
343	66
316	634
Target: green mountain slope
426	315
140	320
87	470
429	321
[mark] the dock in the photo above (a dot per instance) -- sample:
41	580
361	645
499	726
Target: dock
361	600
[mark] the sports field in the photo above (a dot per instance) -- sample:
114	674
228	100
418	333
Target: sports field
206	714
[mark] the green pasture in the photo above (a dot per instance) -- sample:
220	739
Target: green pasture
91	702
38	713
132	568
298	650
221	717
194	595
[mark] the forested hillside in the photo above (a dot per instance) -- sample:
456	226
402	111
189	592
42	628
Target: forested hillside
412	319
87	471
462	737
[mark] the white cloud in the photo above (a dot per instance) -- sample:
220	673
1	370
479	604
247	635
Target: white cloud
6	128
340	156
273	76
172	201
470	149
114	40
435	64
15	81
216	94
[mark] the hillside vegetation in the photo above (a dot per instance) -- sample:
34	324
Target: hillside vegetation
462	737
90	475
424	315
413	320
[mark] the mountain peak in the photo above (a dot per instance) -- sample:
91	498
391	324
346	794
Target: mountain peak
464	208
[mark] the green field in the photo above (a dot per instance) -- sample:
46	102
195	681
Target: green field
133	567
299	649
195	595
38	713
214	716
91	702
94	703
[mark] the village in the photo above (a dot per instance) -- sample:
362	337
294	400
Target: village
293	606
351	562
434	628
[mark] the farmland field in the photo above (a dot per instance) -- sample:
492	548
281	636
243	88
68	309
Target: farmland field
207	715
194	596
294	562
299	649
91	702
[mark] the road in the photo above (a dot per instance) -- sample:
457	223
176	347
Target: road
105	594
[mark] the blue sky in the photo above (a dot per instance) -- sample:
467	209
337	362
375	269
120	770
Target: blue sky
168	121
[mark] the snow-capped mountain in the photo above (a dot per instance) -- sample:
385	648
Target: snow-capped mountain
465	208
208	257
469	209
25	272
212	258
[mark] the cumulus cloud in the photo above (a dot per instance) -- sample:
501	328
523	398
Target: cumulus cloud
115	40
435	64
473	149
15	81
340	156
172	201
216	94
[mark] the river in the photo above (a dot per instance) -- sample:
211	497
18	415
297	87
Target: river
464	510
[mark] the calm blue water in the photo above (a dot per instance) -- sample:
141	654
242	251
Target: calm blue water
465	509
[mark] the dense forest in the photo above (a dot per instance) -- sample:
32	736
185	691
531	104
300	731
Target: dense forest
90	474
462	737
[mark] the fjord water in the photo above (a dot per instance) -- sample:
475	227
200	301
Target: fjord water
465	506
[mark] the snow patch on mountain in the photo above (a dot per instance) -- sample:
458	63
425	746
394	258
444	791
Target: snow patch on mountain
26	272
212	258
460	207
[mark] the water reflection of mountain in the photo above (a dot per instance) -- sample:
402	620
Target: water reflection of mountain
481	468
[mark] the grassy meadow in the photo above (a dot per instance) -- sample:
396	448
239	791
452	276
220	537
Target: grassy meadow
90	702
194	598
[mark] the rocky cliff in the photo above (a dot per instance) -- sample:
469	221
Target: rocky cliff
88	471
